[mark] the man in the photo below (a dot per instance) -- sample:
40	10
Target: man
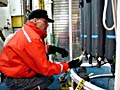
23	59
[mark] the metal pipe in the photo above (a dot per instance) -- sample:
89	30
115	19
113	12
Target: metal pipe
30	4
117	67
114	9
70	28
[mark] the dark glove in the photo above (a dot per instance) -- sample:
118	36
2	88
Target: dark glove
62	51
82	73
54	49
75	63
84	76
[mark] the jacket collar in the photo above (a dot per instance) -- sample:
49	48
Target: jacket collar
42	33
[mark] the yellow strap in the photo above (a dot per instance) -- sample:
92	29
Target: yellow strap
80	85
91	74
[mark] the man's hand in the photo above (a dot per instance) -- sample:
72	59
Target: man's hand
75	63
54	49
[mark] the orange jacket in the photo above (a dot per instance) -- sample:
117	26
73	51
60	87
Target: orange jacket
20	58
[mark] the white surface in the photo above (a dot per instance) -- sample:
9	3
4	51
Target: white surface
16	7
4	15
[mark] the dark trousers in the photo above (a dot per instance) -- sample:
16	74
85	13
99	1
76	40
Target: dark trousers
29	83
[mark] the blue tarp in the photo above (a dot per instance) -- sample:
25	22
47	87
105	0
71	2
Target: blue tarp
103	82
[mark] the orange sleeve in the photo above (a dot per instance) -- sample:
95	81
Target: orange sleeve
47	48
34	56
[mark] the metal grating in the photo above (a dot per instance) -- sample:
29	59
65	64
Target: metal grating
61	24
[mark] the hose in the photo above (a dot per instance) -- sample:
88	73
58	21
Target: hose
104	16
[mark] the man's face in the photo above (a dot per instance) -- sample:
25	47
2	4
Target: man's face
41	23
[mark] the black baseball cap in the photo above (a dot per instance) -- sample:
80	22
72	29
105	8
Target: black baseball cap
38	13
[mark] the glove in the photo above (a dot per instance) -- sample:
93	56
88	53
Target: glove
82	73
54	49
62	51
84	76
75	63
